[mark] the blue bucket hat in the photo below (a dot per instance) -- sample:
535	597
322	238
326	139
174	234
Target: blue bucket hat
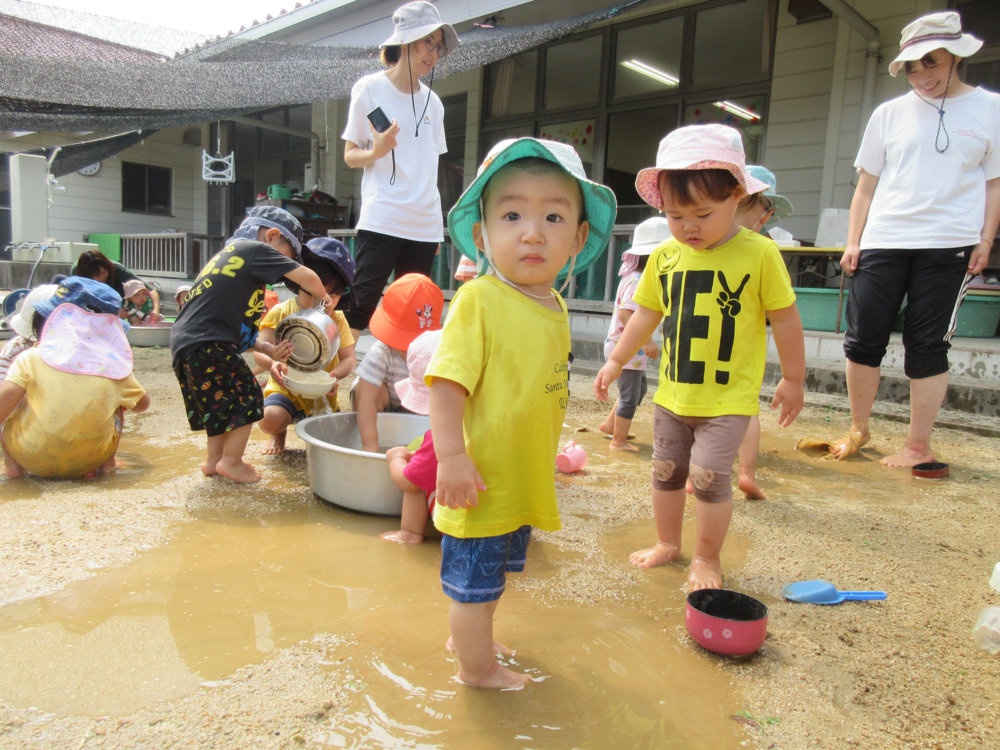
782	206
270	217
600	206
337	255
87	294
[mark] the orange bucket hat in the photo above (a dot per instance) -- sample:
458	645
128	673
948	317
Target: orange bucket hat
412	305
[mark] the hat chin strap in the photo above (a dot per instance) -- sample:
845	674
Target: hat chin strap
488	251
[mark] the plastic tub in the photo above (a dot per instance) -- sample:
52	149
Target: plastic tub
978	317
818	308
343	474
726	622
158	335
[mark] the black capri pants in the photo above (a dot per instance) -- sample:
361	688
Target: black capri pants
933	281
378	256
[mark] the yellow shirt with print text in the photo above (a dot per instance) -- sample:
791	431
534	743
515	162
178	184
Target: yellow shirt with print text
511	354
714	330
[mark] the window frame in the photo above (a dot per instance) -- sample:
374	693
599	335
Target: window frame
146	210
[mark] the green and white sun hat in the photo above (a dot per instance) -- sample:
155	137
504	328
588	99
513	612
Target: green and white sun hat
600	206
782	206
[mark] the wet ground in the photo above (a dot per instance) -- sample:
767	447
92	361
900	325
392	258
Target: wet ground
158	608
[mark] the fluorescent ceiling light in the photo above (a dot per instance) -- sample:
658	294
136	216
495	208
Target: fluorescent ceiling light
651	72
737	110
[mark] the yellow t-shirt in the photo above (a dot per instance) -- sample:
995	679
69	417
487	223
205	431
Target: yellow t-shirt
511	354
271	320
65	427
714	334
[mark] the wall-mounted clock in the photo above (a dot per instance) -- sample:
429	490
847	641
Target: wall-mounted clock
91	169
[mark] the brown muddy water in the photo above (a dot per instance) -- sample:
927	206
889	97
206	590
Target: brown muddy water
256	571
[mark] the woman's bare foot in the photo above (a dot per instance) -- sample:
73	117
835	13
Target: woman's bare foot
497	677
276	444
850	444
748	484
498	648
909	456
705	574
208	468
402	537
660	554
237	470
622	446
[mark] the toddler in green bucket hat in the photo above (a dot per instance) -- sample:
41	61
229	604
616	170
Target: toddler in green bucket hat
499	379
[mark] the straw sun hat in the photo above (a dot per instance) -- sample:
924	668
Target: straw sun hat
936	31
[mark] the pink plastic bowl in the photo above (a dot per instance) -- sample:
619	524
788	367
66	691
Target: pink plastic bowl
726	622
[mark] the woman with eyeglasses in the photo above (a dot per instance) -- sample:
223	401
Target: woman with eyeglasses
400	227
922	223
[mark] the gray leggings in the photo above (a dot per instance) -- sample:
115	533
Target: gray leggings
631	392
705	447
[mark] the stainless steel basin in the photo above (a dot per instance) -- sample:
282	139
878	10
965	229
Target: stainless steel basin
343	474
158	335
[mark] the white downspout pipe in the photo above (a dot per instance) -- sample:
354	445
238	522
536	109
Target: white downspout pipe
314	158
856	21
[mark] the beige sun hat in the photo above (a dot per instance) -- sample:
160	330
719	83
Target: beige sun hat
416	21
936	31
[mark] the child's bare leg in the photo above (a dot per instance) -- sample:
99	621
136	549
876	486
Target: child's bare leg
472	637
608	425
215	443
11	468
231	465
749	449
413	521
668	513
619	437
275	423
706	565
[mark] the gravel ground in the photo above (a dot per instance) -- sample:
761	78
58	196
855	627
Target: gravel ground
903	673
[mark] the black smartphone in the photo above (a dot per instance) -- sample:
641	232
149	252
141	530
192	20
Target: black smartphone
379	121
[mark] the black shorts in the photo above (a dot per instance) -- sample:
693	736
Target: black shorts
378	256
220	392
933	281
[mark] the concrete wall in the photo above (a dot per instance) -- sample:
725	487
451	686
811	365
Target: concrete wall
93	204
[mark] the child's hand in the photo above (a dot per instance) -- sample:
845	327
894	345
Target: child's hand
608	374
790	397
278	370
277	352
334	381
651	349
153	318
327	302
400	451
459	482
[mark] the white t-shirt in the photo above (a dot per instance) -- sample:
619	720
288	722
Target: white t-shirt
925	199
411	207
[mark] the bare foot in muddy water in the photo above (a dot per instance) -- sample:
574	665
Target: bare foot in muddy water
498	678
498	648
112	464
402	537
661	554
705	574
748	485
238	471
208	468
12	469
608	425
909	457
622	447
850	444
276	445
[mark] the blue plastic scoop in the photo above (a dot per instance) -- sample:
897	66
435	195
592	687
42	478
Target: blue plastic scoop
824	592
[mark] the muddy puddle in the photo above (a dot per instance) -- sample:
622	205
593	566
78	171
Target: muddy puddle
258	570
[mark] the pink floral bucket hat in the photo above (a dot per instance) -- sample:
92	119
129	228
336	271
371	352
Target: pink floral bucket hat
711	146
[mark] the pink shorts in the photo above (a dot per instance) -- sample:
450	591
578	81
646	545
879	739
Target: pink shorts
704	447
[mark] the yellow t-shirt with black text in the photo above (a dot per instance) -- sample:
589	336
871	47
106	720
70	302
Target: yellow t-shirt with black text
511	354
277	314
714	330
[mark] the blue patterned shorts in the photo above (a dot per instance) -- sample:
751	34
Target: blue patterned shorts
474	570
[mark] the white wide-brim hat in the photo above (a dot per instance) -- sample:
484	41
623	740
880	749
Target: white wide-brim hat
936	31
416	21
649	235
21	320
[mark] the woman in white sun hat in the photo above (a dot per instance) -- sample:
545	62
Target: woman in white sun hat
922	223
401	224
632	385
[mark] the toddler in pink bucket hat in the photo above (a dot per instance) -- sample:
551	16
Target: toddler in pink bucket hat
697	147
415	473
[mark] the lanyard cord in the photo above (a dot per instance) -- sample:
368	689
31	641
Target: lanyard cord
940	110
413	101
